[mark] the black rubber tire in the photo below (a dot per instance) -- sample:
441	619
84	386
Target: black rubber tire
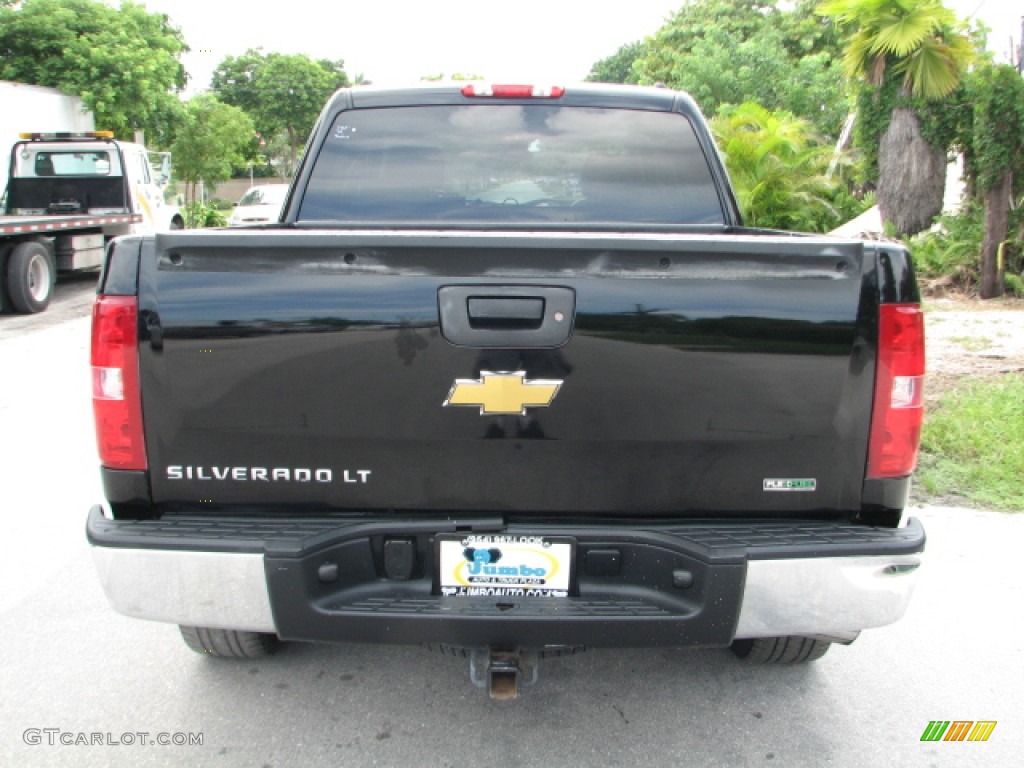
31	275
229	643
780	650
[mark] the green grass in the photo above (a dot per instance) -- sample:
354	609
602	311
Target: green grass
973	444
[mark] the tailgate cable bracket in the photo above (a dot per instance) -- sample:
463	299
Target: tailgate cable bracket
151	320
479	525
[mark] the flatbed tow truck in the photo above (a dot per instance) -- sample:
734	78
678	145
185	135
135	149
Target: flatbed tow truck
68	194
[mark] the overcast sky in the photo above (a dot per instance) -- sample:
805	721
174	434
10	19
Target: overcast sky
400	41
387	41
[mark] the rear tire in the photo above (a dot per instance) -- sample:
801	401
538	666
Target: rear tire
31	275
229	643
780	650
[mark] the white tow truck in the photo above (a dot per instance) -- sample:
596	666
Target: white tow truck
67	195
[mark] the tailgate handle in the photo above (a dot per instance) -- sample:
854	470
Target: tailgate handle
506	316
497	312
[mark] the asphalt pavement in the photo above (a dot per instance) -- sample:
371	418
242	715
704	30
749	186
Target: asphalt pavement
83	686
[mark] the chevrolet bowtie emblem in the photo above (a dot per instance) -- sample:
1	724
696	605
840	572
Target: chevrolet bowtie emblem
503	393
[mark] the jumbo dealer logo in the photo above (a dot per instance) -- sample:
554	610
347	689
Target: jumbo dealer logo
505	565
481	567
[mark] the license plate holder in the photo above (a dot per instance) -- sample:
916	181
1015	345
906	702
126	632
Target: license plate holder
505	565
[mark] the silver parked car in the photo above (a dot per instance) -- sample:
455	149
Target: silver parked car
259	205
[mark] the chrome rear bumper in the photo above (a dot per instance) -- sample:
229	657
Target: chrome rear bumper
829	596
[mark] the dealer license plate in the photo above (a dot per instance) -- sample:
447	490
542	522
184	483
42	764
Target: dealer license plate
499	565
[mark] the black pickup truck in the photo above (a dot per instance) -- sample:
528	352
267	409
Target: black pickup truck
509	379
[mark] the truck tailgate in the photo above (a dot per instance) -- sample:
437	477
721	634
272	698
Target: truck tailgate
687	374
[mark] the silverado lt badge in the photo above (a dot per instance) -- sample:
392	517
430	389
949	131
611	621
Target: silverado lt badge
503	393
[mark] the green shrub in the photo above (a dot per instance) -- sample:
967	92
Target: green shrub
950	248
779	169
1013	259
199	215
220	203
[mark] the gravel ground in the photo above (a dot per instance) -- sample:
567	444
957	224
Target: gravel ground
972	338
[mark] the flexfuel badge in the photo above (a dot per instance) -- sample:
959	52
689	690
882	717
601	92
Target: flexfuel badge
804	484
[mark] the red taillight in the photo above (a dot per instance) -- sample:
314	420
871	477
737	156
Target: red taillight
899	392
513	91
116	400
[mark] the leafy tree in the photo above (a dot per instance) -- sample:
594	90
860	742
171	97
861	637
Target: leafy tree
124	63
777	166
282	93
618	68
211	139
907	53
993	146
734	51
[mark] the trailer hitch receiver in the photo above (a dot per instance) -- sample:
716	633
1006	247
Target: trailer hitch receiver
503	672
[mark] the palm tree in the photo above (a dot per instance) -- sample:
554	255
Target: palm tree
916	42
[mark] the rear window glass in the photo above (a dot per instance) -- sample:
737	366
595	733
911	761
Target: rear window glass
528	165
72	164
